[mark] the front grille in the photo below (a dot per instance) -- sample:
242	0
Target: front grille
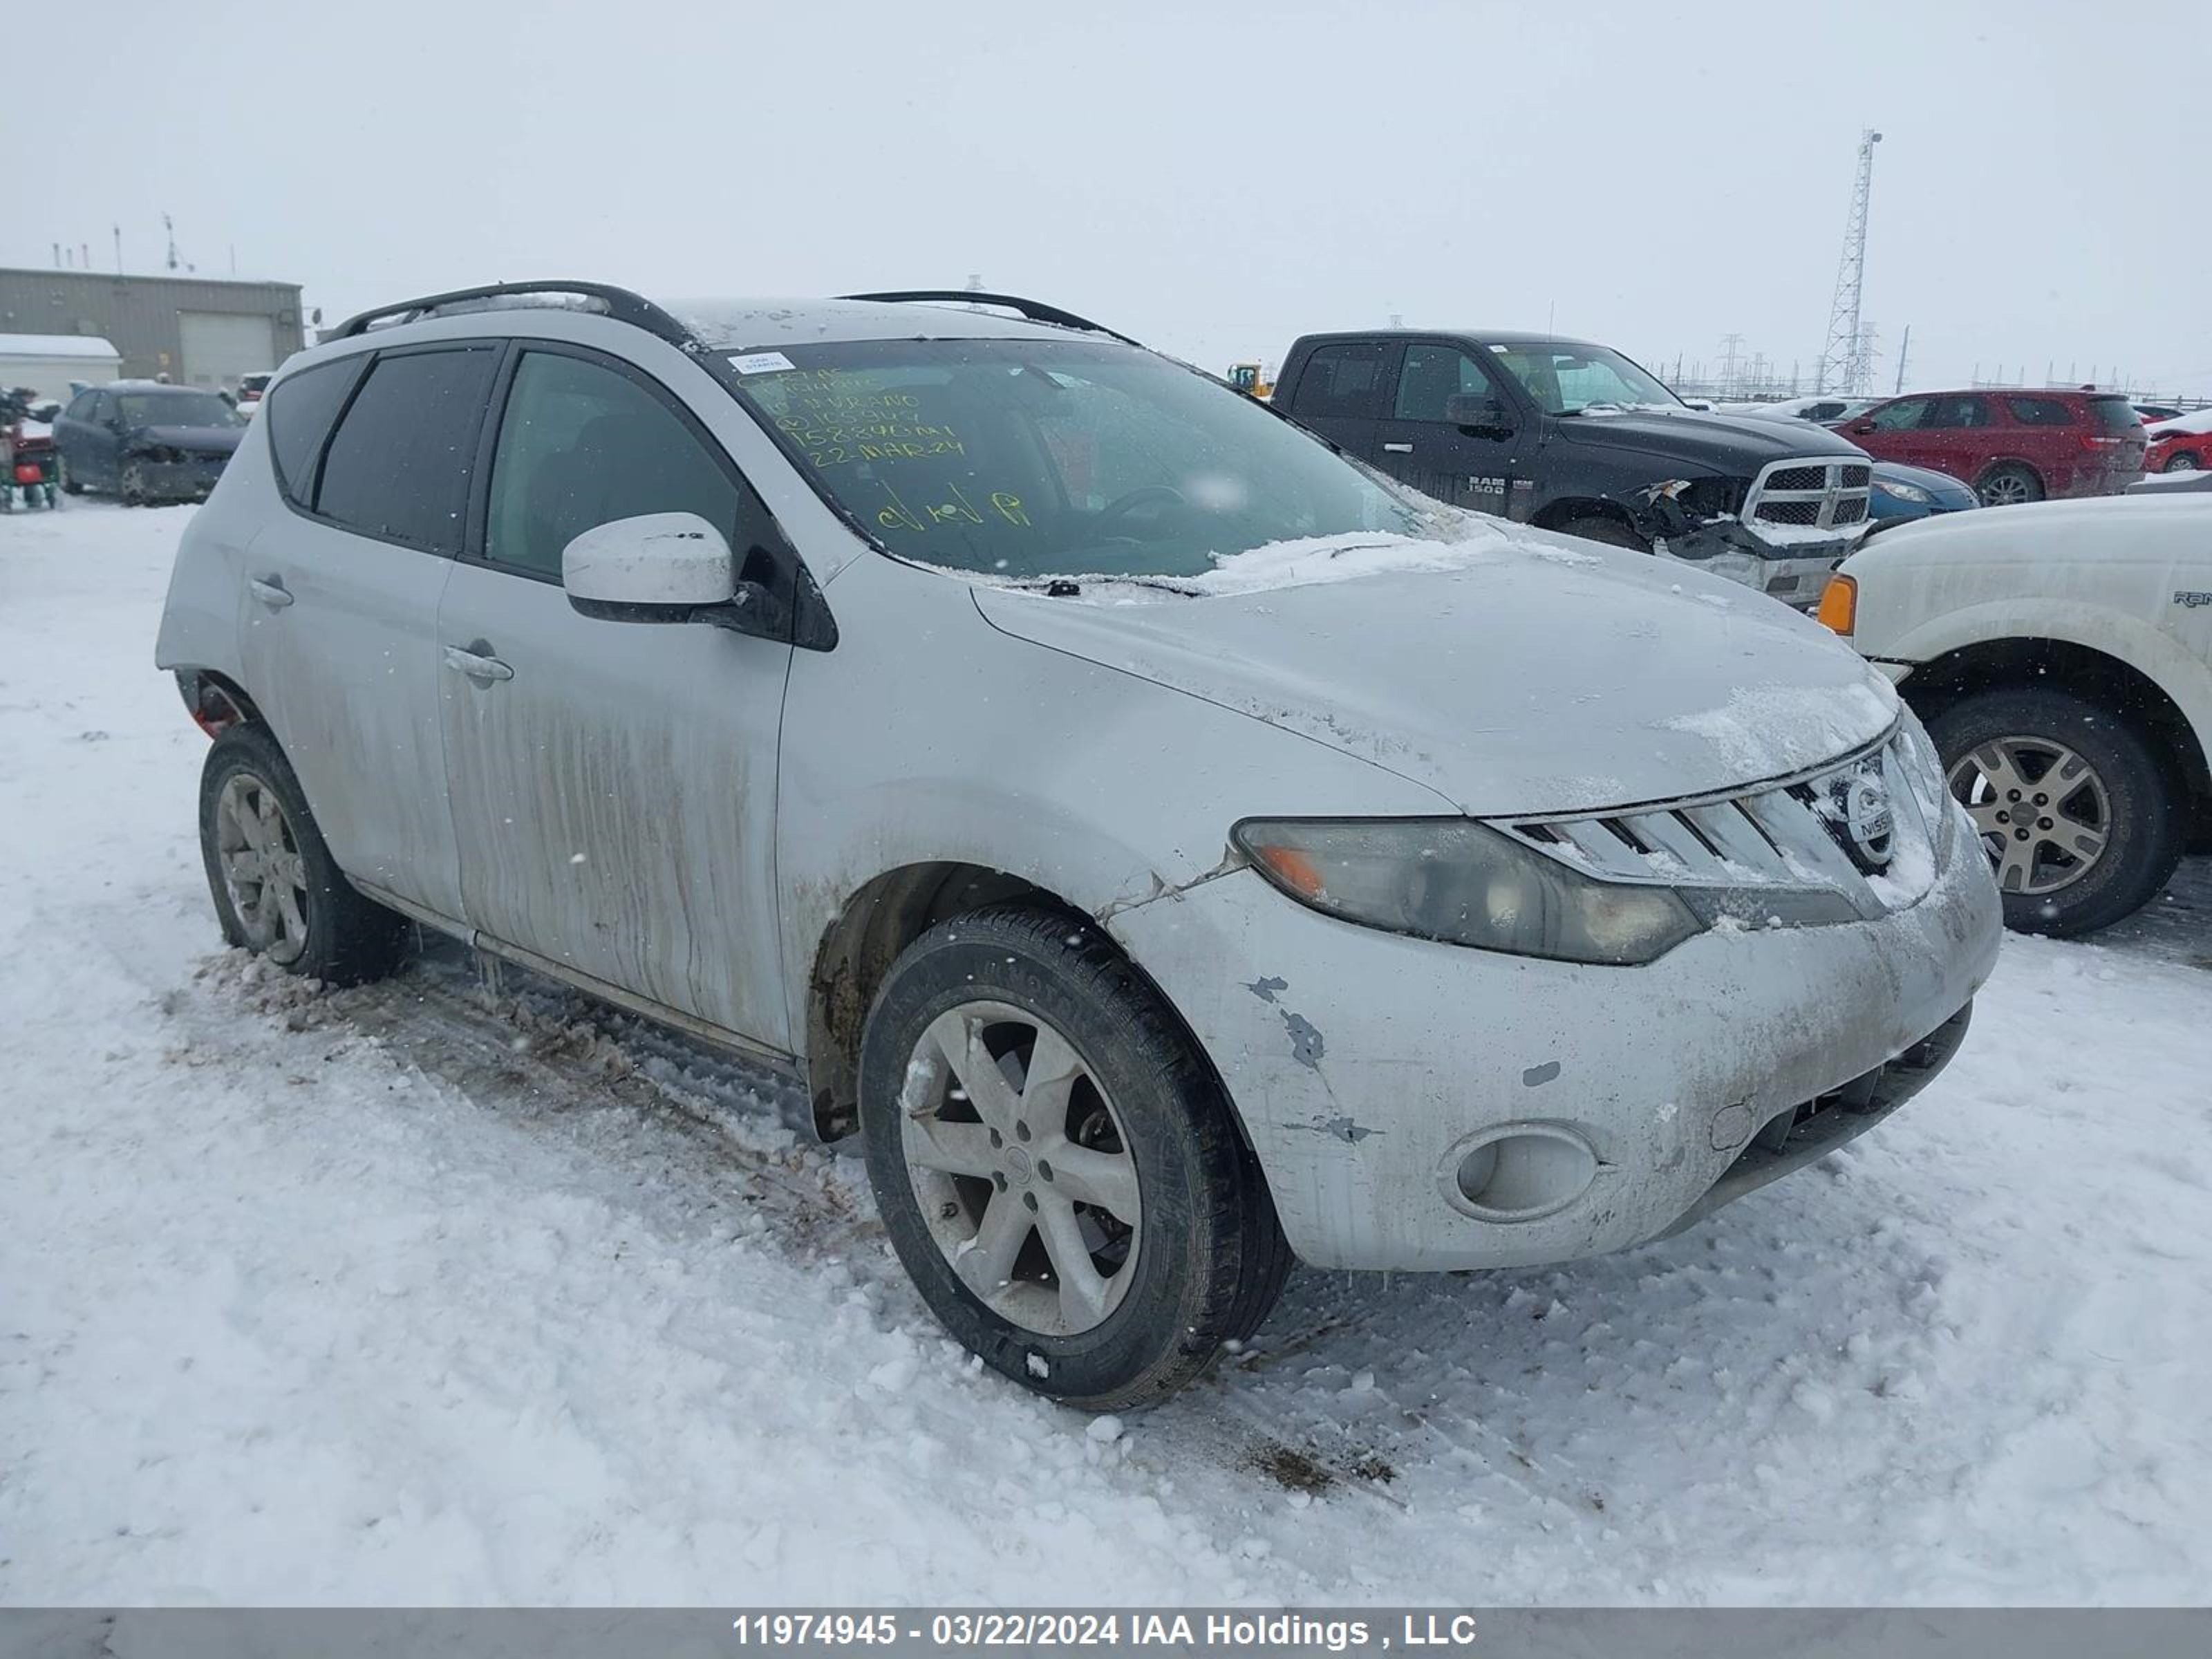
1796	837
1810	494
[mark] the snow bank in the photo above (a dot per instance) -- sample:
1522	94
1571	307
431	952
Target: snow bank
407	1295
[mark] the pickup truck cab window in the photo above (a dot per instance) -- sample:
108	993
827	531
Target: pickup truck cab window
1432	376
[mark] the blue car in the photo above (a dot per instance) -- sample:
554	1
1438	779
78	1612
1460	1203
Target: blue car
1915	492
146	440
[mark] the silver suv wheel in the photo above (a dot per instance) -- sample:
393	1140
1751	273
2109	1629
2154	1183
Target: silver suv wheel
1020	1168
262	867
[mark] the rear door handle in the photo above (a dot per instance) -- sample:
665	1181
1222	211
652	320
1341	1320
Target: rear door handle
478	665
271	592
1399	449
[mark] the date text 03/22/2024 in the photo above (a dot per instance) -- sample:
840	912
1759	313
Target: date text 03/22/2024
1174	1631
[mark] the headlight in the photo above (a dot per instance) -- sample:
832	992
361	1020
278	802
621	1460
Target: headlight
1904	492
1461	883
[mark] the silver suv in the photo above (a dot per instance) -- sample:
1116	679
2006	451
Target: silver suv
1170	847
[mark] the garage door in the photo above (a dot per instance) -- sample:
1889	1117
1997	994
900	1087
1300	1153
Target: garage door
218	347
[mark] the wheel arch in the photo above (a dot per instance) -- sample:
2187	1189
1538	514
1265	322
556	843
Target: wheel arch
2081	670
1564	510
880	919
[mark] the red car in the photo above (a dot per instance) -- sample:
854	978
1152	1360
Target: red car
2011	446
2181	444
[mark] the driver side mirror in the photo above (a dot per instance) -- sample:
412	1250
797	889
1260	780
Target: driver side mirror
1862	426
658	566
1479	414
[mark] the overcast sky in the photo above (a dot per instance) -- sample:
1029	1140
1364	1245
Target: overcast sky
1212	178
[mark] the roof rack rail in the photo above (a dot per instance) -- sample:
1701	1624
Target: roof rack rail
618	303
1035	310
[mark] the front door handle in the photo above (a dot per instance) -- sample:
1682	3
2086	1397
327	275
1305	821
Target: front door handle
271	592
1399	449
478	663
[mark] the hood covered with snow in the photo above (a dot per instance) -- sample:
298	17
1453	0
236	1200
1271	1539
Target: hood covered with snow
1514	675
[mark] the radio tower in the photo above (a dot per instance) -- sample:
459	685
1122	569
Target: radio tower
1843	360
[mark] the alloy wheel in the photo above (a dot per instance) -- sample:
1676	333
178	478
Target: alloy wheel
1021	1168
2005	489
262	867
2043	813
2183	461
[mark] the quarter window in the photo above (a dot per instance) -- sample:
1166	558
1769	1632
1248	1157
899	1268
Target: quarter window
399	465
582	445
2040	411
1432	376
1340	379
299	414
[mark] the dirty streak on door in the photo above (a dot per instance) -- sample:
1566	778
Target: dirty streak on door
613	783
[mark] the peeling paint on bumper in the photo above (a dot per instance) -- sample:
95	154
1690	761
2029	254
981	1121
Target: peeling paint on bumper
1374	1056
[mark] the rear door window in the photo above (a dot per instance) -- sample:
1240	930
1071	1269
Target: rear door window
1340	380
398	467
299	416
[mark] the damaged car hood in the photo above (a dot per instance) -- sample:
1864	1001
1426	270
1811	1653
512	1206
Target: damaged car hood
1518	683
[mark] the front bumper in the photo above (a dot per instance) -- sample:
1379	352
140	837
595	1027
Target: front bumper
184	480
1365	1066
1793	572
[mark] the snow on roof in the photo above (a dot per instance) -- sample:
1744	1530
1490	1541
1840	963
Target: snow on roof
56	345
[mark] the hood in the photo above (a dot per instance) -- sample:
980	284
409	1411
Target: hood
1516	674
207	440
1735	444
1942	485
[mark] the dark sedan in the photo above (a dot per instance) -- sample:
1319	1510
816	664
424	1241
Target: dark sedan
146	441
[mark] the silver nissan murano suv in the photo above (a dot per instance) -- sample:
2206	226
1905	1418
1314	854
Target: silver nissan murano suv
1173	848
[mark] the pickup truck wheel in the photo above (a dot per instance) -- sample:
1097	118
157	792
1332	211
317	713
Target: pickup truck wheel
1056	1163
278	891
1601	527
2079	819
2009	484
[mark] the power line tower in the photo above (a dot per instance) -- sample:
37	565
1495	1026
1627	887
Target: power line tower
1843	360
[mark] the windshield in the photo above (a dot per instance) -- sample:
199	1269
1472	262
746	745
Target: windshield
177	408
1035	459
1567	379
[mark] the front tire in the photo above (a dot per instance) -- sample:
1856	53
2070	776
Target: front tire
2082	823
278	891
2183	461
131	486
1056	1164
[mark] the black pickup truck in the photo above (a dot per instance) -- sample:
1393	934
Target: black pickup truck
1575	437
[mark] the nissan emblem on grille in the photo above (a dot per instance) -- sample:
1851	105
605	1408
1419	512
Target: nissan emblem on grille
1867	819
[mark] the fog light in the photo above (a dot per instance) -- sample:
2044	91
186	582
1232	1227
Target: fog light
1518	1171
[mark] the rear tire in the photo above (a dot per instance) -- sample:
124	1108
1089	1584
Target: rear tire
1103	1306
2012	747
2009	484
69	485
277	891
1602	528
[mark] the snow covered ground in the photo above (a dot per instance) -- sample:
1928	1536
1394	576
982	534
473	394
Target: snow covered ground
422	1293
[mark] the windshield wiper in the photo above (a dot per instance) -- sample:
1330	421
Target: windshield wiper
1069	587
